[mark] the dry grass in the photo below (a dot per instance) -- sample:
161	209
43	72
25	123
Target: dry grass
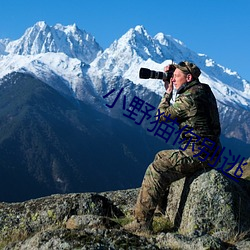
246	170
160	223
238	237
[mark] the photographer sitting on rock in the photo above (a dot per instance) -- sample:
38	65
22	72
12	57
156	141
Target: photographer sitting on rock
195	112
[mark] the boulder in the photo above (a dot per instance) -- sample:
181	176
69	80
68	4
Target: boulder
21	220
209	203
178	241
85	239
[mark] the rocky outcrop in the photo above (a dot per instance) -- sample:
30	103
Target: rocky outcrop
72	221
206	211
209	203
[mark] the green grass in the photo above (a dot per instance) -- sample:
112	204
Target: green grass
160	223
123	220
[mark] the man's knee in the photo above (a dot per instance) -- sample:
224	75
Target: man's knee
163	154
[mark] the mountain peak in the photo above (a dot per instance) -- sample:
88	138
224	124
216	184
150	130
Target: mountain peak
69	28
140	29
42	38
167	40
41	24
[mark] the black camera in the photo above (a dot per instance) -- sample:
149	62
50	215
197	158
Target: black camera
145	73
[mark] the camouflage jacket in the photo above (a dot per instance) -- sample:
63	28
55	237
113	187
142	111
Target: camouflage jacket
195	108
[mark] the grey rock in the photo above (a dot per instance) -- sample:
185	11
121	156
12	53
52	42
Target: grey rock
209	203
124	199
20	220
94	239
243	245
90	221
178	241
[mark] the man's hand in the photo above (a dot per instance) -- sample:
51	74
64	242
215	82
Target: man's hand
168	85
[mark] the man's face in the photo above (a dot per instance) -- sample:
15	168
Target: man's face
179	78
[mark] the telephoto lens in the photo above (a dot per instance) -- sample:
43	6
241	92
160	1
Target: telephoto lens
145	73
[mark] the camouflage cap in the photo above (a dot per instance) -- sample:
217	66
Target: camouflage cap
189	68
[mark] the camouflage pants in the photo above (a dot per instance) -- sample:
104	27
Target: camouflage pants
167	167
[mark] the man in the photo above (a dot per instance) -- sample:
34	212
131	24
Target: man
195	111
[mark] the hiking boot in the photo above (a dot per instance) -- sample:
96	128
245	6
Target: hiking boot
140	227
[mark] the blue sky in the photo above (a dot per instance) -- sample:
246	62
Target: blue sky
218	28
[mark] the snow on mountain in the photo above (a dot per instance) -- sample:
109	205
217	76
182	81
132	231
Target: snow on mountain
57	55
63	73
71	61
137	49
65	51
3	43
125	55
42	38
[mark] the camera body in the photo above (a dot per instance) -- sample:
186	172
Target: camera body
146	73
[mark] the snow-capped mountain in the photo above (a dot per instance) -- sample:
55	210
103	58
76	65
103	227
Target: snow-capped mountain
71	61
64	73
137	49
49	137
41	38
57	55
